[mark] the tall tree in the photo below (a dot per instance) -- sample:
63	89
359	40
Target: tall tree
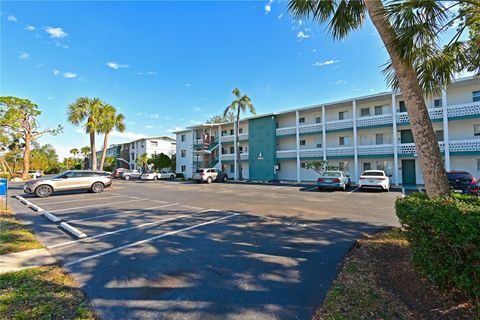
229	117
240	104
142	160
342	17
85	151
87	110
74	152
20	116
110	120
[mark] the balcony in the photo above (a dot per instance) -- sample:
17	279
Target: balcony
309	128
311	153
339	124
464	110
470	145
286	131
378	149
283	154
231	138
435	114
409	148
340	152
231	156
372	121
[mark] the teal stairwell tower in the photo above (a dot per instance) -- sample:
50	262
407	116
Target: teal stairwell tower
262	153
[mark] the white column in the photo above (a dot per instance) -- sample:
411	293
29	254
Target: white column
395	140
446	138
297	134
324	135
235	165
355	141
220	147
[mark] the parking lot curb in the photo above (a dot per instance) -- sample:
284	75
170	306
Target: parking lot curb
51	217
77	233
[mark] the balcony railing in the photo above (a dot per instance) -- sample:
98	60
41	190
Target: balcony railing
231	156
231	138
462	110
471	145
339	124
286	131
437	113
312	153
339	151
375	149
409	148
308	128
375	120
282	154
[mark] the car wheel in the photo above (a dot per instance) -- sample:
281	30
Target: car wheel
43	191
172	177
127	177
209	180
97	187
320	188
225	179
155	178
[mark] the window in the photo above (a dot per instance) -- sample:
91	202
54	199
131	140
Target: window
439	135
184	168
437	103
378	110
240	130
381	165
224	151
478	164
232	167
303	164
303	142
364	112
343	165
476	95
318	119
183	153
240	149
476	129
232	132
402	106
344	141
133	145
367	166
232	150
301	120
154	143
183	138
319	145
278	166
341	115
379	138
224	133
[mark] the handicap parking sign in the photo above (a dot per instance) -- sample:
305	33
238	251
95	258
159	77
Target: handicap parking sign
3	187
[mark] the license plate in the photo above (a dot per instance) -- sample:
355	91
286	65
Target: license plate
371	181
457	191
328	180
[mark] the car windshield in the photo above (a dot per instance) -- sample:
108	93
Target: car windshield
458	176
199	171
331	174
373	173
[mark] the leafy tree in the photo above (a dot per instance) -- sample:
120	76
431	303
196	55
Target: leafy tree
74	152
109	163
19	116
87	111
85	151
110	120
229	117
43	157
142	160
161	161
240	104
344	16
320	165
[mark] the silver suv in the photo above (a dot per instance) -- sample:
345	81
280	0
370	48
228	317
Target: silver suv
95	181
209	175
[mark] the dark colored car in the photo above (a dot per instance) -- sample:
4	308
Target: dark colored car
130	174
463	182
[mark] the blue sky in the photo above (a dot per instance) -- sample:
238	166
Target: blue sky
167	65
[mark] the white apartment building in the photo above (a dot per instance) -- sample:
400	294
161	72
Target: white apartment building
369	132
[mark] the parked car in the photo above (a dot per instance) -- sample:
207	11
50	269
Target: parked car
209	175
333	179
116	172
95	181
162	174
376	179
35	173
463	182
130	174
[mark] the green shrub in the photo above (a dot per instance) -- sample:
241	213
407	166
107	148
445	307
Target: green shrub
5	175
180	175
444	234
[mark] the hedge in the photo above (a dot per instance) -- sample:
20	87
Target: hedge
444	234
5	175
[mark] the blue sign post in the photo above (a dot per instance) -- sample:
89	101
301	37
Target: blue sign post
4	189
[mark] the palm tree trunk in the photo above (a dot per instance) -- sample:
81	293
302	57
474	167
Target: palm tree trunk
104	150
26	157
237	147
6	167
93	165
429	155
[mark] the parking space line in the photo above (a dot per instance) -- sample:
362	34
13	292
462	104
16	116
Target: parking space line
192	207
96	205
67	201
133	244
129	228
124	212
357	188
312	188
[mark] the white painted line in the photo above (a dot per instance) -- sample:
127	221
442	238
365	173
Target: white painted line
354	190
312	188
130	228
51	217
97	205
67	201
77	233
124	212
133	244
403	191
192	207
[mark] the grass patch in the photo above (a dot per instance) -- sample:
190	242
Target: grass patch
378	281
42	293
14	236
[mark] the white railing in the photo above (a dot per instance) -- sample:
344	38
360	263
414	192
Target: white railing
466	109
286	131
230	138
436	113
227	157
339	124
465	145
282	154
339	151
409	148
243	136
244	156
307	128
375	120
375	149
311	153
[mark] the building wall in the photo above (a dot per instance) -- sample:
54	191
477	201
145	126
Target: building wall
467	163
186	161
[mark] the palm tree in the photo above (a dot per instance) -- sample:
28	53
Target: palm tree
240	104
88	110
85	151
344	16
142	160
110	120
74	152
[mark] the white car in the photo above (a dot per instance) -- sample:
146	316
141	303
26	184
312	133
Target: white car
153	175
375	179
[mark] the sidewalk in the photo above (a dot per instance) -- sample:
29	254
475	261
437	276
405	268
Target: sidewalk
26	259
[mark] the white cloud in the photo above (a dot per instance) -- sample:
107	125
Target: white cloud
196	109
117	66
50	98
30	28
187	84
24	55
304	34
148	126
193	122
12	18
56	32
149	73
268	7
174	129
341	82
39	65
56	72
280	16
154	116
325	63
70	75
129	135
314	50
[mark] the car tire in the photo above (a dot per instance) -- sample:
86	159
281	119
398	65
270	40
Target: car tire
320	188
225	179
172	177
155	178
126	177
43	191
209	180
97	187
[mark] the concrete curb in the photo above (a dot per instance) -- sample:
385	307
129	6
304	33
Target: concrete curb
51	217
77	233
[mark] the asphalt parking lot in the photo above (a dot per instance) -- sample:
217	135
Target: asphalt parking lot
174	250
